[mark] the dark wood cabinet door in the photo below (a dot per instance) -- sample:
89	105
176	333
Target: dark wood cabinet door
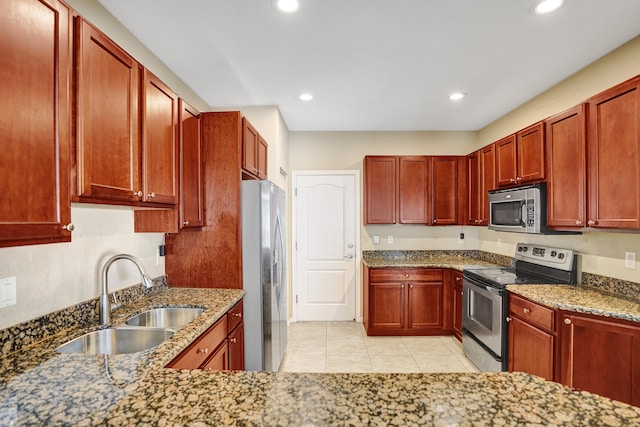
387	306
34	124
488	155
614	157
530	154
566	153
219	360
380	189
444	190
413	197
249	147
474	173
262	152
601	356
457	305
424	305
106	118
531	350
506	171
159	142
191	186
236	348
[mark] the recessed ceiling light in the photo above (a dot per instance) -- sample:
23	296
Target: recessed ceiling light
547	6
286	6
305	97
457	96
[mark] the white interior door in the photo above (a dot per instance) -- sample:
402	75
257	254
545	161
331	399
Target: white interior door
326	238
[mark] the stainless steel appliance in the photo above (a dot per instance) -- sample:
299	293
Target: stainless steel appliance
264	275
520	209
485	302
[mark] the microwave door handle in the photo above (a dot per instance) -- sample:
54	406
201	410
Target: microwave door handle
523	212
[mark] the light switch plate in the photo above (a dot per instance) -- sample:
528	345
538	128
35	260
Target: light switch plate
7	291
630	260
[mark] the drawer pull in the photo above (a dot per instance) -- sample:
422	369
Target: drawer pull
203	350
526	310
567	321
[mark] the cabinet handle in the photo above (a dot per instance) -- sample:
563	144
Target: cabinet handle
592	222
458	278
237	314
512	180
526	310
203	350
185	223
518	179
233	340
151	195
508	319
138	193
69	227
567	321
578	222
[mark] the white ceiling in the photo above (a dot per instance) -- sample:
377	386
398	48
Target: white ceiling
377	64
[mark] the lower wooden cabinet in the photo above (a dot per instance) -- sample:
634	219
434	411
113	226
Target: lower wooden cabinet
532	338
404	301
456	312
600	355
219	348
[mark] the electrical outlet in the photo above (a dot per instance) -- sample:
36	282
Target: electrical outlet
630	260
7	292
499	243
389	239
376	239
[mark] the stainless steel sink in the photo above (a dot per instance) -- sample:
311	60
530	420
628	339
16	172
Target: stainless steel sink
167	317
116	341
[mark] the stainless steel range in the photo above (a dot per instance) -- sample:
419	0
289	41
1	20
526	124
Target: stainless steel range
485	303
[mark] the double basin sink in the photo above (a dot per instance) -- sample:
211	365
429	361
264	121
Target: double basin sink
144	331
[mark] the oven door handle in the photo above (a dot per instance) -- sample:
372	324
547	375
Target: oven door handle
484	286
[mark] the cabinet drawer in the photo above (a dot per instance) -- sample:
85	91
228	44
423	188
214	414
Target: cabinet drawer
201	349
405	275
234	316
535	314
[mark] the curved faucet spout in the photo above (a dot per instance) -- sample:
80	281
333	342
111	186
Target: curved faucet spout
105	305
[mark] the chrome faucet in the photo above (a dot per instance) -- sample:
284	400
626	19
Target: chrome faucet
105	305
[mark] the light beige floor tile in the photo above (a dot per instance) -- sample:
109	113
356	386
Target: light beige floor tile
429	346
305	362
441	364
346	346
467	363
393	363
349	362
386	346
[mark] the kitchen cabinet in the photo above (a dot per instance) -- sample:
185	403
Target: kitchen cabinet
191	185
413	197
614	157
380	189
566	156
34	124
159	142
481	179
600	355
107	146
457	304
254	152
211	257
404	301
219	348
532	338
415	189
520	157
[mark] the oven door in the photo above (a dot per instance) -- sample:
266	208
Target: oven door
483	314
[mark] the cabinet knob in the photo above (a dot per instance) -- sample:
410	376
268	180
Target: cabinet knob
406	274
435	221
592	222
203	350
526	310
69	227
233	340
578	222
185	223
151	195
513	181
237	314
518	179
508	319
458	278
138	193
567	321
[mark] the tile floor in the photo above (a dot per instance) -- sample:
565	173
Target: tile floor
345	347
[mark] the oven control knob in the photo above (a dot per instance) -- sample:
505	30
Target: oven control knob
560	255
553	253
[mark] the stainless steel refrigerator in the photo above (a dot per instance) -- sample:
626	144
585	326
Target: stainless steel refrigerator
264	275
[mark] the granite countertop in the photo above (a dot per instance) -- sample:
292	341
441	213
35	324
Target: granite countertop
457	262
41	387
582	299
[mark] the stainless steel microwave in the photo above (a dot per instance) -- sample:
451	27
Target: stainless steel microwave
520	209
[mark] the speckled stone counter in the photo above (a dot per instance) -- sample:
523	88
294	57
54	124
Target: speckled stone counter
458	260
583	299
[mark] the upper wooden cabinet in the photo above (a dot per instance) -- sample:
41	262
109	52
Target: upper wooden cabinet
614	157
480	179
191	186
107	148
254	152
34	124
159	142
414	189
380	189
520	157
566	146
